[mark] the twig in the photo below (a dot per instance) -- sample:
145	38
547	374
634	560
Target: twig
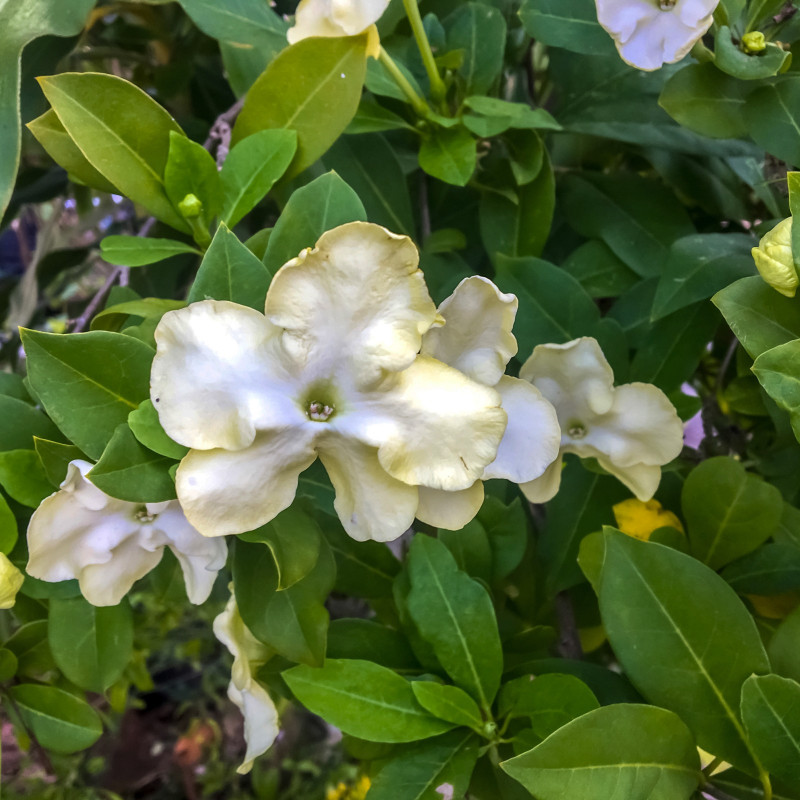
569	643
424	208
220	133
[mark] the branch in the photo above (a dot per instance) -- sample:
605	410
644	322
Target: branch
220	133
569	643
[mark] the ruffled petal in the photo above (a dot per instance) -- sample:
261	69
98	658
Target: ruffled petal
354	16
334	17
357	299
370	503
695	13
546	486
224	492
532	438
641	479
11	580
449	510
620	18
218	376
432	425
476	337
83	490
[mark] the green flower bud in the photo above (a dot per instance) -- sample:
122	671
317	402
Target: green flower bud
10	582
191	206
774	261
754	42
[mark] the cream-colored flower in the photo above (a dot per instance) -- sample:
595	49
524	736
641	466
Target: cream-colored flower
632	430
333	371
252	699
774	260
651	33
11	580
108	544
334	18
476	339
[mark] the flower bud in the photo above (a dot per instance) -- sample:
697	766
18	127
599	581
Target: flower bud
10	582
754	42
191	206
774	261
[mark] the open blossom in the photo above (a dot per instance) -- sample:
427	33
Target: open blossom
252	699
331	370
651	33
108	544
11	580
631	429
334	18
477	340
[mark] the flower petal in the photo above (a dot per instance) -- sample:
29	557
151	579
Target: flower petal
432	425
449	510
546	486
11	580
476	337
218	376
370	503
334	17
223	491
641	479
357	298
532	438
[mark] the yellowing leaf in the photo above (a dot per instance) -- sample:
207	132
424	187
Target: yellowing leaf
639	519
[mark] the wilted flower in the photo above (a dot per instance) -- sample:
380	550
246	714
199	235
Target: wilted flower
477	340
252	699
631	430
651	33
108	544
774	260
334	18
11	580
331	370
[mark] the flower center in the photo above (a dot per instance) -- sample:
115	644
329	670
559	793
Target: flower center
320	401
576	429
143	516
667	5
320	412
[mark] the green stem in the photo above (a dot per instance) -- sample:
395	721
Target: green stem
438	89
766	783
417	103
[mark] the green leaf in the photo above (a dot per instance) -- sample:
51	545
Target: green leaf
20	422
108	373
729	512
449	154
105	116
364	699
471	549
772	569
771	715
371	641
241	21
747	66
424	771
507	529
778	371
374	118
129	471
29	644
23	477
454	613
229	271
60	721
743	787
312	87
136	251
251	170
190	169
293	621
8	527
688	662
571	24
698	266
706	101
55	458
146	427
448	703
91	646
21	23
633	751
773	120
480	31
370	165
317	207
8	665
492	116
149	308
599	271
52	135
784	645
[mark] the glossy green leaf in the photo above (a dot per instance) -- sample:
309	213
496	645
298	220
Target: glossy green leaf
8	527
60	721
729	512
778	372
784	647
251	170
323	204
455	615
29	644
635	752
105	116
374	118
91	646
471	549
20	24
773	120
23	477
490	116
771	715
312	87
190	169
136	251
731	59
371	641
55	458
20	422
772	569
480	31
571	24
150	308
599	271
449	154
743	787
679	658
507	529
246	22
107	372
129	471
8	665
365	700
448	703
146	427
229	271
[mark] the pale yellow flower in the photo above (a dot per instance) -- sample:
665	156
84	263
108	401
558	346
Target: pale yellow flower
336	18
774	260
11	580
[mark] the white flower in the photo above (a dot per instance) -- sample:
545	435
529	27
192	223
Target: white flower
108	544
774	259
476	339
334	18
331	370
11	580
651	33
260	714
631	430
